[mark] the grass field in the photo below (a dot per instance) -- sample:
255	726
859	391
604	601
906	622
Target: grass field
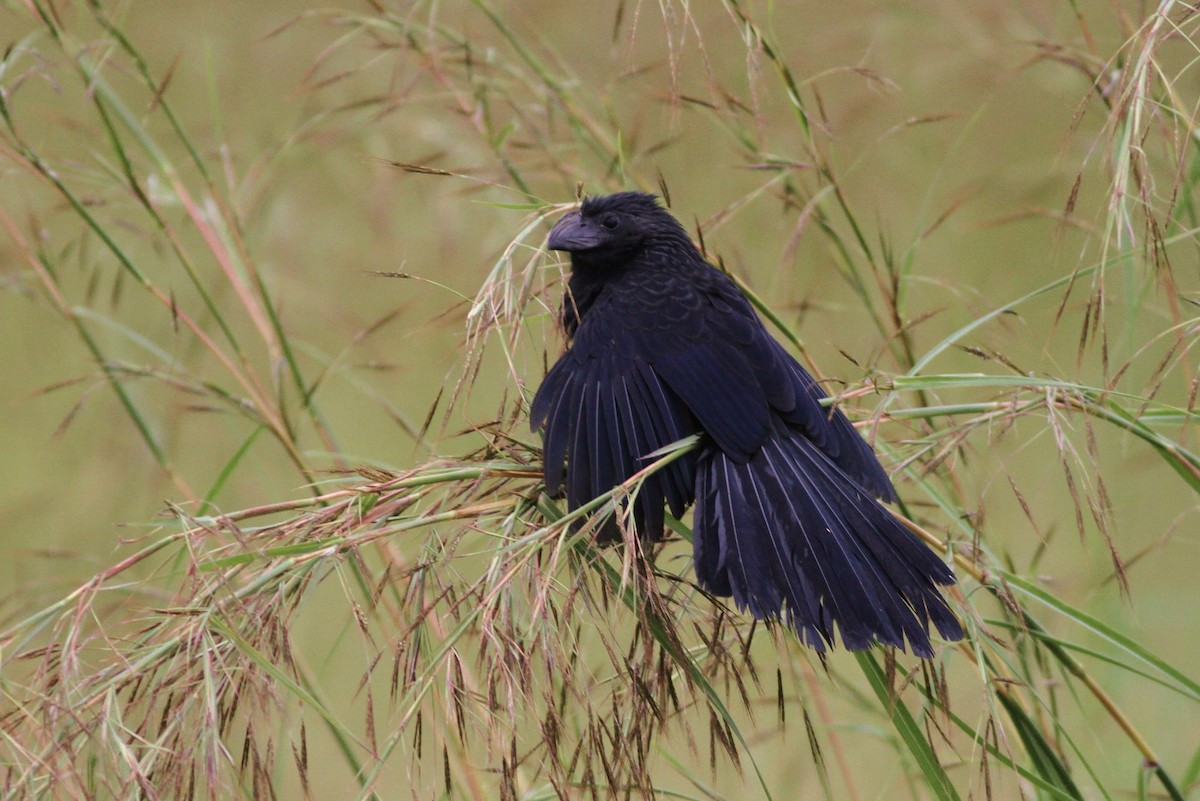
275	299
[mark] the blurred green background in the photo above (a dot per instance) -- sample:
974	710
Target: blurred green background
972	140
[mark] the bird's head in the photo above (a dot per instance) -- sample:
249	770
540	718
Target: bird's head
613	226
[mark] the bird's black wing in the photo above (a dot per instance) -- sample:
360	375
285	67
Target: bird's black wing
603	410
732	374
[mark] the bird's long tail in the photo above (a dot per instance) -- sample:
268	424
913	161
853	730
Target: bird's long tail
790	536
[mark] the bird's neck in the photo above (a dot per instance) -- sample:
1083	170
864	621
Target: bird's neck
585	285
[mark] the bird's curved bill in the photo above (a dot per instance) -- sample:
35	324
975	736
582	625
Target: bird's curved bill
573	233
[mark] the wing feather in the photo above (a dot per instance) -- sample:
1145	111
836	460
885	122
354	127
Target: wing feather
602	411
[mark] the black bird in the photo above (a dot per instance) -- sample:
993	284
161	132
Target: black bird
664	345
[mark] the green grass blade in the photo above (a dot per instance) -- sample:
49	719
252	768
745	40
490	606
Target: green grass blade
910	733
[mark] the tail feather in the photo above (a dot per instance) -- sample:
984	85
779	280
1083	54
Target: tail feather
790	536
882	551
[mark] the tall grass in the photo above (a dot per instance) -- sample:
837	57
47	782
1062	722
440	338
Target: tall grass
443	630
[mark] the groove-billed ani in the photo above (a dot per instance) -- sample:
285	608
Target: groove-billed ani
664	345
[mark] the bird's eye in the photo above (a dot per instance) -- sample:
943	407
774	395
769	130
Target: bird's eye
610	221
